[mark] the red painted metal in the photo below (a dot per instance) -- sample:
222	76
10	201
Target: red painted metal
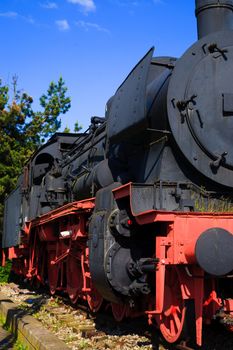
3	262
62	255
68	209
13	253
53	269
94	299
229	306
171	319
46	254
175	246
74	278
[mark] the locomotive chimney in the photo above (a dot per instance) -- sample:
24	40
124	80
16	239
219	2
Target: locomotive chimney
213	16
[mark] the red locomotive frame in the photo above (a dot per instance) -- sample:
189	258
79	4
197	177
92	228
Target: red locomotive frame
178	278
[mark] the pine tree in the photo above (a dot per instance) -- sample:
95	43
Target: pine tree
23	130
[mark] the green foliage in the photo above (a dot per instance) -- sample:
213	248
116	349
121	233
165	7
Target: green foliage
54	103
66	130
204	202
84	344
77	127
19	346
5	272
23	130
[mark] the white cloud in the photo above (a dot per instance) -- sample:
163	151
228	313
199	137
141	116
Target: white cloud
15	15
135	3
9	14
88	25
126	3
28	19
87	5
62	25
49	5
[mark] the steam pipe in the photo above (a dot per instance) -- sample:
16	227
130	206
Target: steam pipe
213	16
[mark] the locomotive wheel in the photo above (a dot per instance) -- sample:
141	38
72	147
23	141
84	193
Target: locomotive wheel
74	278
171	321
53	278
94	300
35	283
119	311
53	271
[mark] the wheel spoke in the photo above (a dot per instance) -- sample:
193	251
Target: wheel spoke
118	311
171	321
172	327
94	299
177	320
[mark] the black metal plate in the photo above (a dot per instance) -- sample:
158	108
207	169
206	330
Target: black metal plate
11	229
128	108
214	251
201	130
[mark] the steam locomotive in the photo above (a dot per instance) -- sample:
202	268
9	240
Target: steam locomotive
137	212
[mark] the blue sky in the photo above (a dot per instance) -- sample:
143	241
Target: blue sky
93	44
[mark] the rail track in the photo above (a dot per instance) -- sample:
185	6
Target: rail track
183	346
80	329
